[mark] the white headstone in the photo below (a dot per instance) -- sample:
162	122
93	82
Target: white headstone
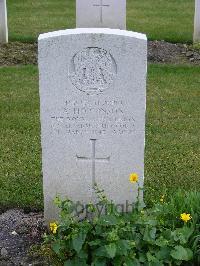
196	36
3	22
93	98
101	14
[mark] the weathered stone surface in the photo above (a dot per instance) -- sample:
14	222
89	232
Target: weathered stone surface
101	14
3	22
196	36
4	253
93	98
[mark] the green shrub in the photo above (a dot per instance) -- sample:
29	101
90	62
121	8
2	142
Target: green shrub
153	236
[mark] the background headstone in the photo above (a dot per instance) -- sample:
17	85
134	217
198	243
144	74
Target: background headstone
101	14
196	36
93	99
3	22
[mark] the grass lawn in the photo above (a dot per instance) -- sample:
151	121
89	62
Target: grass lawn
173	129
170	20
20	162
172	138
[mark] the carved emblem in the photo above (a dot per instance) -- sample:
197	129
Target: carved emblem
92	70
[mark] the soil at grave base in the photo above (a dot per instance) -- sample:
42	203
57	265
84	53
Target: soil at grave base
17	53
19	233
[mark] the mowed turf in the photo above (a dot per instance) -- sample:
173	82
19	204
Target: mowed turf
20	161
170	20
172	155
27	18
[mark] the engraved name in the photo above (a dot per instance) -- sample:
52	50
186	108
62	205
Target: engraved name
94	117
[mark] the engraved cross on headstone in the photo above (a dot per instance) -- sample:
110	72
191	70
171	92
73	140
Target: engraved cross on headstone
93	160
101	5
101	14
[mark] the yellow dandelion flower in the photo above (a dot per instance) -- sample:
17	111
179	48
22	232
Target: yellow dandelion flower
133	178
53	227
162	198
185	217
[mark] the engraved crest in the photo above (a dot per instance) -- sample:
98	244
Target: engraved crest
93	70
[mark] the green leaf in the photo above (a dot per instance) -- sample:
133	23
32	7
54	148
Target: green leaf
163	253
100	252
181	253
108	220
99	262
131	262
149	234
183	234
78	241
151	222
142	257
161	242
118	261
75	262
122	247
56	247
96	242
111	250
150	257
68	263
83	254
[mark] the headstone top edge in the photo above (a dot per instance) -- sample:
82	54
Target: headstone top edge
94	31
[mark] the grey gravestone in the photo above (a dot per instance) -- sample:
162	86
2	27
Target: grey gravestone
101	14
93	98
196	36
3	22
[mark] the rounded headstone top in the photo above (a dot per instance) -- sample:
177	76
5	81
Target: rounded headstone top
108	31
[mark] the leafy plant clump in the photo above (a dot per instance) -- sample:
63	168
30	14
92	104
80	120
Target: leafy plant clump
165	234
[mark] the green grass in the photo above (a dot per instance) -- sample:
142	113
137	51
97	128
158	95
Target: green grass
20	162
170	20
172	138
173	129
27	18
